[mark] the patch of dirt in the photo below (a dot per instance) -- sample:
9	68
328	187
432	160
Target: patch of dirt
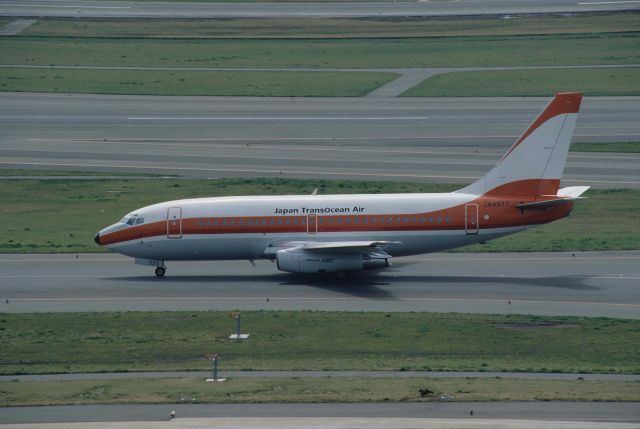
534	325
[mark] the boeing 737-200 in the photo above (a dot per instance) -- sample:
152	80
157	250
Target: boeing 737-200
343	233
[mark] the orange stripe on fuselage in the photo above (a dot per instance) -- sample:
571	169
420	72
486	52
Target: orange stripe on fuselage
499	205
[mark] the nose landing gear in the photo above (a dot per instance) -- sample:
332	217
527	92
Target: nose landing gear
160	271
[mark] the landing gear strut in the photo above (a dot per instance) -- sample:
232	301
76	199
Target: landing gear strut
160	271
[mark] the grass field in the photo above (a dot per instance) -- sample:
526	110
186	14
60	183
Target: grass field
76	209
475	51
335	28
246	83
304	390
135	341
620	147
590	81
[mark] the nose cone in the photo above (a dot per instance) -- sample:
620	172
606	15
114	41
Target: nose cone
97	238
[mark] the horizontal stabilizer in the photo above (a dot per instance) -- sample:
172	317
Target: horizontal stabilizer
573	191
564	196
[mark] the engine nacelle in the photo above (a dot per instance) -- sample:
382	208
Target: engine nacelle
301	261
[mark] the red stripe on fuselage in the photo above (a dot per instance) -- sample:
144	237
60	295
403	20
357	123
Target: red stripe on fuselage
495	211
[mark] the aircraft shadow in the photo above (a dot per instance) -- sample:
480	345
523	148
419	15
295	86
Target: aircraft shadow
564	282
372	284
357	284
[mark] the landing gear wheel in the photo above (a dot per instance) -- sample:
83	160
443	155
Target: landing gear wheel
160	271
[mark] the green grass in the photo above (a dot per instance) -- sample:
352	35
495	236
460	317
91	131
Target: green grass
305	390
479	51
76	209
147	341
590	81
56	173
276	84
306	28
614	147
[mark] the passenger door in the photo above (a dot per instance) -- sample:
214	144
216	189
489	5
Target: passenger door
174	222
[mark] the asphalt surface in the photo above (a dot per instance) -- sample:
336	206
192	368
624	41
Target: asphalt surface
586	411
587	284
116	9
416	139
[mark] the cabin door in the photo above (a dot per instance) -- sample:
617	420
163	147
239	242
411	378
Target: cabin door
471	219
312	224
174	222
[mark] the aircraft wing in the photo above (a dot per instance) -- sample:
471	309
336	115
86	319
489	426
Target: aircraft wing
332	246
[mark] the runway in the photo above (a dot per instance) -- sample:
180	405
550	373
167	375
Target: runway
587	284
398	139
159	10
614	412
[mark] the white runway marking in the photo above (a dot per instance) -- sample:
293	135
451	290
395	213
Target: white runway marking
280	118
67	7
608	2
326	299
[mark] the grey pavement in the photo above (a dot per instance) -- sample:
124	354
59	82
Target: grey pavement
452	140
322	374
583	284
610	412
159	10
16	26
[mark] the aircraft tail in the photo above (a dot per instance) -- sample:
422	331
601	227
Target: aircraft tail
534	164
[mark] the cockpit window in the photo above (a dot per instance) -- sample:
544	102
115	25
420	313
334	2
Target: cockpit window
132	220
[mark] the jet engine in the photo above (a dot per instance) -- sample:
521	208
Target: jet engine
298	260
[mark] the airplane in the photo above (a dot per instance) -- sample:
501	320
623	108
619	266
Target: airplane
345	233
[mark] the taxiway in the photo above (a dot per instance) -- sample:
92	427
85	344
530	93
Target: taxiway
423	139
585	284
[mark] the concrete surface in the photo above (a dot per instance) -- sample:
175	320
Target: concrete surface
425	139
122	9
587	284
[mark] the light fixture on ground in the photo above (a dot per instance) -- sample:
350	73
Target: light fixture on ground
237	336
213	357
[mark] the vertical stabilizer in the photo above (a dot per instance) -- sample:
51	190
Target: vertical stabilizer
535	162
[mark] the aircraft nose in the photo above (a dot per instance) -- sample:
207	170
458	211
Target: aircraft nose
97	238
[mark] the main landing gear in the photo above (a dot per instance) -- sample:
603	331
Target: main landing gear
160	271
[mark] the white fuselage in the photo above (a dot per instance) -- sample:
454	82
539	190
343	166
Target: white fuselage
243	227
